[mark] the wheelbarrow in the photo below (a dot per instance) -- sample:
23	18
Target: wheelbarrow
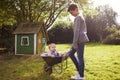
55	63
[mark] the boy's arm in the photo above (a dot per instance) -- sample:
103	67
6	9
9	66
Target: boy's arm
76	31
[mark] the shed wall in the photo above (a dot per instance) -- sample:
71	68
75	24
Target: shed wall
25	49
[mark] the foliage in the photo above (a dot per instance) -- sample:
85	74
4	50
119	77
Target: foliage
60	33
32	10
97	24
113	36
91	29
102	62
6	36
104	18
6	17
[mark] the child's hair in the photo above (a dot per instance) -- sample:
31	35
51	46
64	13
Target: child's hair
72	7
50	45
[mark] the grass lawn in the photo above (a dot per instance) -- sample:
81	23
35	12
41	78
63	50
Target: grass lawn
102	62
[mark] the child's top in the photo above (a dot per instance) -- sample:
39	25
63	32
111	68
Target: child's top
54	53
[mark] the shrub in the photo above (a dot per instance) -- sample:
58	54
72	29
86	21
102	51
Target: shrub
6	36
113	37
60	33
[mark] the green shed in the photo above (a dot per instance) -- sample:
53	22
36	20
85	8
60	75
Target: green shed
30	38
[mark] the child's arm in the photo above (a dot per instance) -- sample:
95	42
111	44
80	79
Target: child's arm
49	54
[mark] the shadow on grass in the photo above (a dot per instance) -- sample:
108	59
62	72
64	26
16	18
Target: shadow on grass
40	76
23	68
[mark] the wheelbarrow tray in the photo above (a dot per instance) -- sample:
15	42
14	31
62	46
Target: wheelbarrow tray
52	60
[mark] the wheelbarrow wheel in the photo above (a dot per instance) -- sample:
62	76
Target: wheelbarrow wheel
48	69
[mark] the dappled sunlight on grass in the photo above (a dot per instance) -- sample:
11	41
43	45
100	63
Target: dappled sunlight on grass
102	62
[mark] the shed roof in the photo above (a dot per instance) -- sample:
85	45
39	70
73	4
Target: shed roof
27	28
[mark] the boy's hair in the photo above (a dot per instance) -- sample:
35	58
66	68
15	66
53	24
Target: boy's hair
72	7
50	45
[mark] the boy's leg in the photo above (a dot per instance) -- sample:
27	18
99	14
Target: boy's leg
80	55
73	58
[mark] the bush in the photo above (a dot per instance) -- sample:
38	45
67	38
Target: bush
113	37
6	37
60	33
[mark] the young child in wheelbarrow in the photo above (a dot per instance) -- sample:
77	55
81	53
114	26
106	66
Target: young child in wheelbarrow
53	57
53	52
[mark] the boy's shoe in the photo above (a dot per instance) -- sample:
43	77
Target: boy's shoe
77	77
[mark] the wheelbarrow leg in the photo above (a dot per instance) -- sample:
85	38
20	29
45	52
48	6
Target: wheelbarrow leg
48	69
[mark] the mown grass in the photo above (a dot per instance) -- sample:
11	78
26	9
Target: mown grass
102	62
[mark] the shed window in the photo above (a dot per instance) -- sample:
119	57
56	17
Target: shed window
25	41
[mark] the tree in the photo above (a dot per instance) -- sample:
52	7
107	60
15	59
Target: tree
32	10
104	18
91	28
96	24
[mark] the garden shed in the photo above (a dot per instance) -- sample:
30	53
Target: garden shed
30	38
